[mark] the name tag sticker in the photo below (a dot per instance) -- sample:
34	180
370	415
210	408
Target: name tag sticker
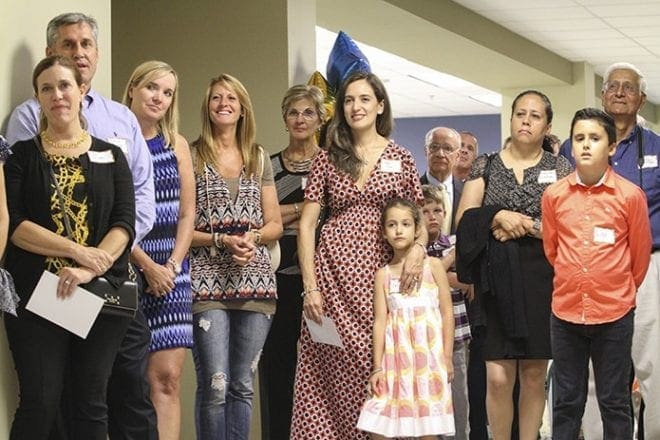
303	183
390	166
121	143
548	176
603	235
101	156
650	161
395	286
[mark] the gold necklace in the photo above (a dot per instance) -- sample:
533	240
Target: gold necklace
64	145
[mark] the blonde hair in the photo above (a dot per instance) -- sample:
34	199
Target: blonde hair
303	91
432	193
204	151
143	74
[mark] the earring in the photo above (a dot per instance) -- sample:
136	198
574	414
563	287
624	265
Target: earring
286	129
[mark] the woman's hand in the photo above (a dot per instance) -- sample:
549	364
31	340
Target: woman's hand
241	247
510	224
72	277
313	305
412	269
93	258
160	279
377	383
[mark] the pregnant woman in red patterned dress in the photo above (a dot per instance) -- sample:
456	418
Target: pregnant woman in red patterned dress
358	174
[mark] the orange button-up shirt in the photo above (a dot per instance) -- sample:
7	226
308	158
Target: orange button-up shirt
598	239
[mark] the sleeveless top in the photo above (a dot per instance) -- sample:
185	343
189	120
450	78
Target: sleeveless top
217	277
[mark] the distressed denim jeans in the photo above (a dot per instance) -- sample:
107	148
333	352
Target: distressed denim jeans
226	352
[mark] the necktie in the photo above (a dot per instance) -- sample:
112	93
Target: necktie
446	224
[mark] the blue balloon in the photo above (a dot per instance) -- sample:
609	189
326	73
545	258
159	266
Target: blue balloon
345	58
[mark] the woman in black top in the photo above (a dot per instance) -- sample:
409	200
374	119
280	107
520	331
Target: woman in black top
303	113
97	191
506	191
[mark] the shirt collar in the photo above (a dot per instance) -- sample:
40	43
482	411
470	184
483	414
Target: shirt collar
606	180
90	97
435	182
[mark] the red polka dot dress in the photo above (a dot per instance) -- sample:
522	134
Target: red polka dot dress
331	382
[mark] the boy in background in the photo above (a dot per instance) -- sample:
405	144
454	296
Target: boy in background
442	246
596	234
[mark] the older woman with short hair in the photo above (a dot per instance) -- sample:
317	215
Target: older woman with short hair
303	113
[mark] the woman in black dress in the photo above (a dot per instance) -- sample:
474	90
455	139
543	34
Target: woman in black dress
506	191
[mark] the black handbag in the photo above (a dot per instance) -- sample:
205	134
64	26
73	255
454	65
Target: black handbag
120	301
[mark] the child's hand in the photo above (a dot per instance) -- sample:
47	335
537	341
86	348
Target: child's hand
450	368
377	384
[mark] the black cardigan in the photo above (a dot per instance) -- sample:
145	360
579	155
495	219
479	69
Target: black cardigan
110	201
493	266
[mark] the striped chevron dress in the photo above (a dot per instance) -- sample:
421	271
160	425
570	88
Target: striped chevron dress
169	316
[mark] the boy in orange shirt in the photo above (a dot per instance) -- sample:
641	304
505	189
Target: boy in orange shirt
596	234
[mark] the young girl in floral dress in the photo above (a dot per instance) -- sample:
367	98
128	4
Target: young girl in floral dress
412	341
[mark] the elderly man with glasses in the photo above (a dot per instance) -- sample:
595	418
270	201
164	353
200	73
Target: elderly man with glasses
441	147
636	158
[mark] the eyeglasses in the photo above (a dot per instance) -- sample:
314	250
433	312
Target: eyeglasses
308	114
614	86
446	149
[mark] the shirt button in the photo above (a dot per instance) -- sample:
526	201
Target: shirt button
584	295
584	269
586	242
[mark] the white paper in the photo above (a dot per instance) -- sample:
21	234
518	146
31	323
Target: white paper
326	333
75	313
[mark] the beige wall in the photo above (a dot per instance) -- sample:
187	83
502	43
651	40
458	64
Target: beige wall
248	40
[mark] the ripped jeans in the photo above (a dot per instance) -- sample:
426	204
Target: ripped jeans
226	352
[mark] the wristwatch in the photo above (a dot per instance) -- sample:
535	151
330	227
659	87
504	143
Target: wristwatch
174	265
537	225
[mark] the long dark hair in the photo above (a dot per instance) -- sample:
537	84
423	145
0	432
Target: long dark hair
339	140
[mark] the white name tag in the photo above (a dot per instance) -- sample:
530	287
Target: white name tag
121	143
390	166
101	156
395	286
650	161
603	235
303	183
548	176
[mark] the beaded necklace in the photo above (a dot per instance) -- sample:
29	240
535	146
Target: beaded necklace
64	145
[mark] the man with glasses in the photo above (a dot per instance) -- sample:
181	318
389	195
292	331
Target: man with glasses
636	158
441	147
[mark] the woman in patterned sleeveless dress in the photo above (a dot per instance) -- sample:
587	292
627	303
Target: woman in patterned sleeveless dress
354	178
161	256
233	282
